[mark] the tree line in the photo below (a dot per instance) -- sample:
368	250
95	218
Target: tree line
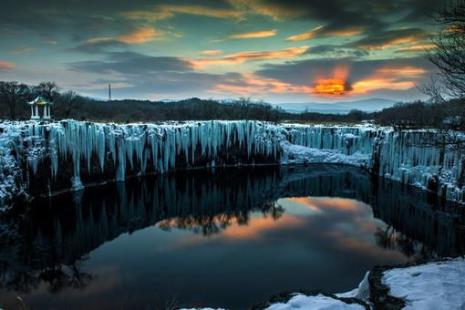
14	97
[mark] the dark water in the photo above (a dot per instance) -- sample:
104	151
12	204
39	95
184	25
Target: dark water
230	237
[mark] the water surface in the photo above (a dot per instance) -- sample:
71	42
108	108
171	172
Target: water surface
225	237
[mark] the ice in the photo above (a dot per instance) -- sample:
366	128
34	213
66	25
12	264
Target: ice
89	150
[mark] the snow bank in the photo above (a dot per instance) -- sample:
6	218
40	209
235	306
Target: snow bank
317	302
48	157
438	285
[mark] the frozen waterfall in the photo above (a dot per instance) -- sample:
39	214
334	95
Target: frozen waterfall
43	158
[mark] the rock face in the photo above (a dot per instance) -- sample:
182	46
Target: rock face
45	158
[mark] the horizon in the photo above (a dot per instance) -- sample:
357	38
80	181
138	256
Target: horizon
276	51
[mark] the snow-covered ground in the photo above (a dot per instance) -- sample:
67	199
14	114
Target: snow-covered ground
317	302
432	286
88	151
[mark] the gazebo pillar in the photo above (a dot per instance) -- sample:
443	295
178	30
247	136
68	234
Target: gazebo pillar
46	111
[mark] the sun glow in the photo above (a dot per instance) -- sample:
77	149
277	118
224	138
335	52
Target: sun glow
336	85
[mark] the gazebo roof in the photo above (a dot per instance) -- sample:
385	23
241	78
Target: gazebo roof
40	101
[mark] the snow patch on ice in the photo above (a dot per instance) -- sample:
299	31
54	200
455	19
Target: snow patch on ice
437	285
317	302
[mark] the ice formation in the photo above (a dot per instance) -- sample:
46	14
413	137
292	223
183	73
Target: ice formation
42	157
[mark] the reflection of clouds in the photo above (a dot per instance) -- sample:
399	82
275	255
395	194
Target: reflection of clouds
322	203
258	226
350	224
324	225
254	229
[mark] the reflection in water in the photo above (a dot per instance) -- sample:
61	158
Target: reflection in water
229	237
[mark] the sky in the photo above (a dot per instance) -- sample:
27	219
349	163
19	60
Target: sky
279	51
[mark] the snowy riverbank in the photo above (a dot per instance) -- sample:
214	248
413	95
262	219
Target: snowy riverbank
45	158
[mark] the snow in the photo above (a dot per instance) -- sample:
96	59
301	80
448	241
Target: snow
317	302
437	285
297	154
114	150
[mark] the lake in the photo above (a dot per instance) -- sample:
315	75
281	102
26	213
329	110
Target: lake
229	237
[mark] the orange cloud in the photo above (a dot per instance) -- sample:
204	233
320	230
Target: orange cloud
320	31
254	35
6	66
161	12
402	71
386	78
265	8
137	36
392	78
417	48
305	35
251	84
345	32
391	43
373	84
211	52
242	57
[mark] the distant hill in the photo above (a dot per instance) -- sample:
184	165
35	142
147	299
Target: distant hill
340	107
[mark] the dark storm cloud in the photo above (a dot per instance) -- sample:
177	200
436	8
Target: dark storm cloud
148	74
132	63
99	47
376	20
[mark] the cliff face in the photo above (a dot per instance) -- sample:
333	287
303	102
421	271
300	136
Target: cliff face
44	158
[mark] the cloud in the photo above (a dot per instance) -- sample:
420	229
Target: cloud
211	52
131	63
337	51
137	36
6	66
254	35
161	12
251	84
242	57
140	75
417	48
305	35
321	31
391	38
328	77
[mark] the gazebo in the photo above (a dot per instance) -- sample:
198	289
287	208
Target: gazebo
40	103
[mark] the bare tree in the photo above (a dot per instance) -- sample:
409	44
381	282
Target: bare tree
12	94
449	53
68	102
435	90
48	90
